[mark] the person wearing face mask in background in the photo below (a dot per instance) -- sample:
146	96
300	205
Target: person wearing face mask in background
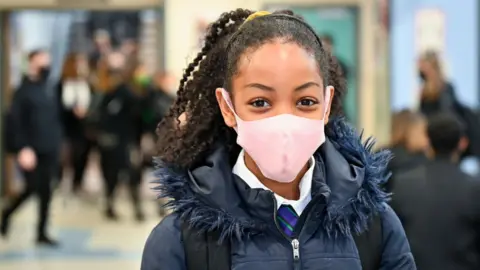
37	129
438	95
262	174
118	136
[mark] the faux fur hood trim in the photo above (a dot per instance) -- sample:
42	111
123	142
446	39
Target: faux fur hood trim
350	217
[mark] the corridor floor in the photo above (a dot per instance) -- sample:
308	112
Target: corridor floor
88	241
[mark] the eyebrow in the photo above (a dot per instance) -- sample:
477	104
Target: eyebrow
306	85
269	88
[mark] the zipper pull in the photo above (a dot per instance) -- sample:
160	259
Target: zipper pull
296	249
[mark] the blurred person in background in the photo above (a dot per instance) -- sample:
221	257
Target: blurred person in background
158	100
99	77
329	43
409	142
37	127
102	47
438	203
139	82
129	48
438	95
118	136
97	61
156	104
75	95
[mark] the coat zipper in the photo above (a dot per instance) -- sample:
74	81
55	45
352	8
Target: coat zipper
296	253
294	242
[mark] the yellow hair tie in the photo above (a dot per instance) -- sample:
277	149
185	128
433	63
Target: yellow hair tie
256	15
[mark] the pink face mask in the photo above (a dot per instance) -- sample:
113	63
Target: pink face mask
280	145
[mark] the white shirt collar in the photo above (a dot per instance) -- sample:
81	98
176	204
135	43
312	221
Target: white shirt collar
252	181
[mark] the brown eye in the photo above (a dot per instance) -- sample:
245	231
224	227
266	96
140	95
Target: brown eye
307	102
260	103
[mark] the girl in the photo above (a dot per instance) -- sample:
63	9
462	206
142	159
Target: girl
259	161
409	143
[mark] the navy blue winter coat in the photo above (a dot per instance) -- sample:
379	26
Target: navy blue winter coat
345	194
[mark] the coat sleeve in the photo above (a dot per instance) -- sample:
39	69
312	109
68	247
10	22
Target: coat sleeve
396	249
163	249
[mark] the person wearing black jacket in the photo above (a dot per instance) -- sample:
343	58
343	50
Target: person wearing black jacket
437	203
118	137
36	125
438	95
74	96
157	102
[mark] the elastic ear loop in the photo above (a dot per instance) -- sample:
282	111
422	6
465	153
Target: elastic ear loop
227	99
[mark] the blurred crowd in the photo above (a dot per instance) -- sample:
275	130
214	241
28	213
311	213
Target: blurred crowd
105	101
434	198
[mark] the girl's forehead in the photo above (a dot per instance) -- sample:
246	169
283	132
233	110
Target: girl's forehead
276	57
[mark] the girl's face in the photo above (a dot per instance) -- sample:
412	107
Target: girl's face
277	78
417	139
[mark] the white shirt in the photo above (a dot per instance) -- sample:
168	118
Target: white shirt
252	181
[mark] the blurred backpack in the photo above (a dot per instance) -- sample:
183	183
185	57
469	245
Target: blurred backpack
204	251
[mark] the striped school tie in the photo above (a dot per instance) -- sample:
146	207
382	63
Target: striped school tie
287	219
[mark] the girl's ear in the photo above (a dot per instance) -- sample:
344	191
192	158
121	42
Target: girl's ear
328	103
224	102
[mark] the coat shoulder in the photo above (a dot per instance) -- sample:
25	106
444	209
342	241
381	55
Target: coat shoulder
163	249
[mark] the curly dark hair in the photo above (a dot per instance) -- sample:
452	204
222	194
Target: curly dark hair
183	145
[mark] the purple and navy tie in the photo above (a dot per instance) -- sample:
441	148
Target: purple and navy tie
287	219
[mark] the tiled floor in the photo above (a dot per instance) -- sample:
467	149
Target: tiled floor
87	240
